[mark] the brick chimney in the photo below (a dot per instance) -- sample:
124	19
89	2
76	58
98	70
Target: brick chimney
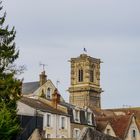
55	98
43	78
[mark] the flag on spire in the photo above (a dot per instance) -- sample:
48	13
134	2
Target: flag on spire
85	50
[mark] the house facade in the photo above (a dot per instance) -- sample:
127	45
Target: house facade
56	122
60	119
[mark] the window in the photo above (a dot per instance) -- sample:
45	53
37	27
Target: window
80	75
48	120
76	133
108	131
89	117
48	136
76	115
91	76
134	133
48	93
62	122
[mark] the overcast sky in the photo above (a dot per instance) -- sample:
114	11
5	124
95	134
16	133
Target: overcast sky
53	31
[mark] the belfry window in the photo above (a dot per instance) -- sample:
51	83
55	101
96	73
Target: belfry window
80	75
91	76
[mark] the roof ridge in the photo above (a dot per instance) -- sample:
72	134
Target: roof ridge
31	82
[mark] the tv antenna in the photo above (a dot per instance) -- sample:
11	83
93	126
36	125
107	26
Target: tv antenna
43	66
57	83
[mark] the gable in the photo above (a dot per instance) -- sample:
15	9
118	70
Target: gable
44	87
132	127
109	130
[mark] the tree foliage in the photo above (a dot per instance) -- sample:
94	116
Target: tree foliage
8	124
10	87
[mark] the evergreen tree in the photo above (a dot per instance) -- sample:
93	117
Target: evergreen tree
10	87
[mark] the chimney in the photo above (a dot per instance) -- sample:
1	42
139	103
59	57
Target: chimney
43	78
55	98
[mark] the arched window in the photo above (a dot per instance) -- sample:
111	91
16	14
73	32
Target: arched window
48	95
80	75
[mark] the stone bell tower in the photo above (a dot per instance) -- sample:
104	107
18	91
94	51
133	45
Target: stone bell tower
85	82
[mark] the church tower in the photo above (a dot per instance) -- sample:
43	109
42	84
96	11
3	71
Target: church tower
85	82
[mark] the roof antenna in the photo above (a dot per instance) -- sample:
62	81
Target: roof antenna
57	83
43	66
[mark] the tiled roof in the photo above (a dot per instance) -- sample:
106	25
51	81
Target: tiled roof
36	104
120	124
30	87
130	111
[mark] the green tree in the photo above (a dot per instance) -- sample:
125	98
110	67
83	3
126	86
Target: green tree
10	87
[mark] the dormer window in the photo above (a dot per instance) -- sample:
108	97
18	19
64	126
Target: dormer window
48	94
77	115
80	75
89	117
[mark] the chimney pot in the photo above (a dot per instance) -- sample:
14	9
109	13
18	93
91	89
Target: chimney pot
43	78
55	98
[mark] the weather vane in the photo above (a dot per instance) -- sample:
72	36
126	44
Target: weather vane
43	66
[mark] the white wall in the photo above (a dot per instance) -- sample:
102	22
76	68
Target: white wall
24	109
55	129
111	133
